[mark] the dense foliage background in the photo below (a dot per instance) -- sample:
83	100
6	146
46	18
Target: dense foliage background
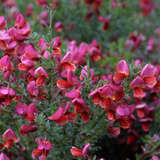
55	55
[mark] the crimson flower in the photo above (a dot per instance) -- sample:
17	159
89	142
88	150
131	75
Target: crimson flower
10	138
80	152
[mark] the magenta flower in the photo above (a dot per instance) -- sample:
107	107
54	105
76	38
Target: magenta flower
41	152
3	23
4	157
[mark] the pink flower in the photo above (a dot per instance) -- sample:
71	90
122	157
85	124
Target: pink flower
6	64
58	26
84	73
148	74
2	23
6	95
125	110
75	93
44	146
4	39
19	22
4	157
25	64
21	109
150	45
32	89
137	85
122	71
31	53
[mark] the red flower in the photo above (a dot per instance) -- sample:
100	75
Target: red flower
64	84
25	129
113	131
135	41
10	137
41	2
125	122
69	80
25	64
56	45
146	123
29	10
132	137
42	74
80	152
31	111
81	108
106	22
144	111
76	152
62	116
54	3
2	23
146	6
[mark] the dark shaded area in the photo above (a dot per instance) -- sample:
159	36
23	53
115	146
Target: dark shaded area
111	149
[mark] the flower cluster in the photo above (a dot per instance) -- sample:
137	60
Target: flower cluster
59	95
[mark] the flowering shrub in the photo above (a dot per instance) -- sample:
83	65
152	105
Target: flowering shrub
79	79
